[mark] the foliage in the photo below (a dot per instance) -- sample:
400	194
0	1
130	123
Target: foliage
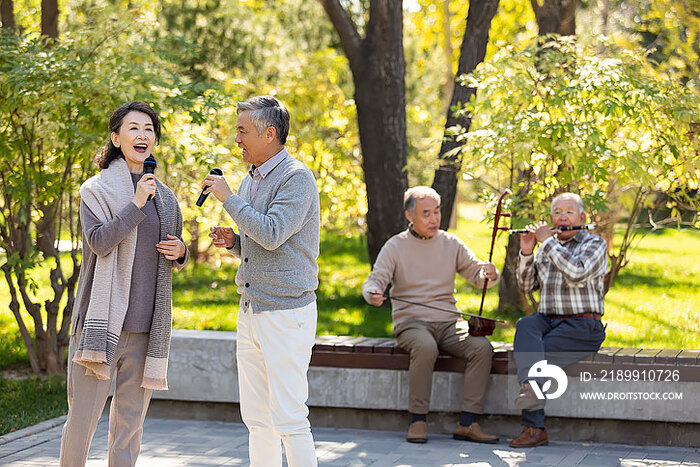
668	29
300	63
566	118
26	402
52	121
432	39
653	305
208	39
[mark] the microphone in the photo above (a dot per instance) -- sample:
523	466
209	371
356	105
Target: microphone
202	195
149	166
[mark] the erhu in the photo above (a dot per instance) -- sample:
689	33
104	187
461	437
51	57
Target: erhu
480	325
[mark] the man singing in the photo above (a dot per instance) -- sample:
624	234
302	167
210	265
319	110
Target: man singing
278	217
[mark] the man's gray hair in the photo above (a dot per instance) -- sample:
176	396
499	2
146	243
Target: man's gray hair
572	196
418	192
267	111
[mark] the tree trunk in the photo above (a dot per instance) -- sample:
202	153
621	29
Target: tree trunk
193	228
24	332
7	14
555	16
47	342
378	68
472	52
604	16
510	298
49	18
447	52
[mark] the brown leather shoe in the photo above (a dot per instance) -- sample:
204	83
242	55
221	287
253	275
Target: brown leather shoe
527	399
417	432
530	437
474	433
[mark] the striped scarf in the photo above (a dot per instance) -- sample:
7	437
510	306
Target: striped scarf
106	194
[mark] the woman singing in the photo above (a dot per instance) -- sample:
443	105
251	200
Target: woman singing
122	314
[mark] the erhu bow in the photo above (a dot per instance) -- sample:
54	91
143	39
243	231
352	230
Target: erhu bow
480	325
458	313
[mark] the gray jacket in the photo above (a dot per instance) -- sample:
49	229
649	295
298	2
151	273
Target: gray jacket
278	238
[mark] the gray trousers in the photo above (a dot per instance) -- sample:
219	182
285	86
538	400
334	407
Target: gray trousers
559	341
86	399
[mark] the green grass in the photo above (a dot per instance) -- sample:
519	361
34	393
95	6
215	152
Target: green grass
12	350
28	401
654	303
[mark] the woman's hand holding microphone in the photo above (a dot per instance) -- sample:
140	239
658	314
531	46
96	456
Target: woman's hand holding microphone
144	188
172	248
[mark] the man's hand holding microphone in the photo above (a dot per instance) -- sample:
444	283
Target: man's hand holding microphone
215	183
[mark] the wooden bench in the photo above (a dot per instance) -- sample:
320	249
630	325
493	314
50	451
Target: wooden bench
360	382
385	354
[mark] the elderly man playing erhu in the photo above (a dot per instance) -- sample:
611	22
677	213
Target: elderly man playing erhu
420	264
569	270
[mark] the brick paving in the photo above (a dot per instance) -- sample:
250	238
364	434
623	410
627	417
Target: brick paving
171	442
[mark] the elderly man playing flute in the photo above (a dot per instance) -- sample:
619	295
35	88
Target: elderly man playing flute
569	270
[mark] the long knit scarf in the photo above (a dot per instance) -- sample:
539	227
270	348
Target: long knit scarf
106	194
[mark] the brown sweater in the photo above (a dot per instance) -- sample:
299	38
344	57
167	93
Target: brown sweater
423	271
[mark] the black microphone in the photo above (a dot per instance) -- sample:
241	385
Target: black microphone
202	195
149	166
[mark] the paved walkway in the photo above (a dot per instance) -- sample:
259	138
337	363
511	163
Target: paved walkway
196	443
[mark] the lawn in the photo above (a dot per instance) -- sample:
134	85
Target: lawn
654	302
25	402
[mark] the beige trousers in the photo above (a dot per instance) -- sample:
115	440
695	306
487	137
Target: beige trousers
424	340
86	399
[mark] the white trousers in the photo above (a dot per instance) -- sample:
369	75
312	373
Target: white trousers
273	353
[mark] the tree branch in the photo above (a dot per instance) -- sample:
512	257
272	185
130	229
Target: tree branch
349	37
14	307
